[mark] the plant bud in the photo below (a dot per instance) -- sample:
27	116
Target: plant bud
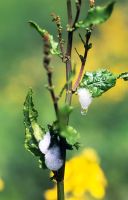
45	143
53	158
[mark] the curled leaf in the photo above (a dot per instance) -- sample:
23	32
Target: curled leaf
45	34
33	131
124	76
41	31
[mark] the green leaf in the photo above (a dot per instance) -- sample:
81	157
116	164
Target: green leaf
53	45
71	135
33	131
98	82
124	76
97	15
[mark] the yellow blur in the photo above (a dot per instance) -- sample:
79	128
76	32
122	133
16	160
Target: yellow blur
1	185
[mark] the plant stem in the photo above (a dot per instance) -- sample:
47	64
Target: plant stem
46	62
60	174
68	54
71	24
72	27
51	89
60	190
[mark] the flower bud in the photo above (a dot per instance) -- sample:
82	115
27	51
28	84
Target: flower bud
45	143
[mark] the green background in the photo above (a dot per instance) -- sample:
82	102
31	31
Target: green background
105	128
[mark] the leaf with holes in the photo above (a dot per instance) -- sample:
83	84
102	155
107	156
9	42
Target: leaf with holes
98	82
97	15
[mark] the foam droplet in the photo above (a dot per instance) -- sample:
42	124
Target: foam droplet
84	112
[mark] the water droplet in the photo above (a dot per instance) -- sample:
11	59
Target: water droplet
84	111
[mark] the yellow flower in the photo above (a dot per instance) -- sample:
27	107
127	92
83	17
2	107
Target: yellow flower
51	194
83	175
1	185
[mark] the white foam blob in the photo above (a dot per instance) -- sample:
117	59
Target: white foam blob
85	98
45	143
53	159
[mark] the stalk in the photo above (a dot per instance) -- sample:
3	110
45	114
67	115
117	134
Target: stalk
68	54
60	190
71	24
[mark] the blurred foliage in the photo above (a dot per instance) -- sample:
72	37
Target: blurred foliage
104	128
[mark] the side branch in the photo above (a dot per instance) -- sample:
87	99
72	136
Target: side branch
78	8
83	59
